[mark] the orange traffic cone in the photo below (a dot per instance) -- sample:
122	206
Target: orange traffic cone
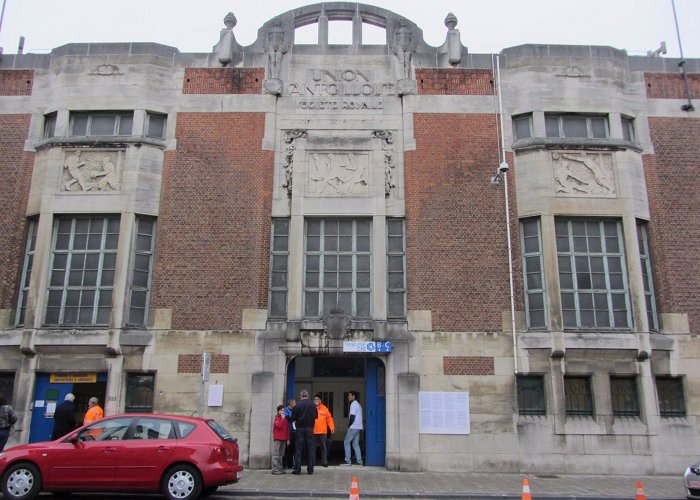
354	490
526	490
640	492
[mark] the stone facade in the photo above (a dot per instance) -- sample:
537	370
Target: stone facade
206	180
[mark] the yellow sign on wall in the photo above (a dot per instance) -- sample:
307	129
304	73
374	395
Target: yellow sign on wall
73	378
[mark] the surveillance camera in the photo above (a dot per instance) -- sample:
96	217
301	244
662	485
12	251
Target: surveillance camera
503	167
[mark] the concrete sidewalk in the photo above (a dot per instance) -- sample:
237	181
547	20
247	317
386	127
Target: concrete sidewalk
375	482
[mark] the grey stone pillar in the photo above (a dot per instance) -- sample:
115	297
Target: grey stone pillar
260	420
407	457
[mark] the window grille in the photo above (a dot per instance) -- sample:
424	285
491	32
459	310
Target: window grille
578	396
531	395
139	392
670	394
624	398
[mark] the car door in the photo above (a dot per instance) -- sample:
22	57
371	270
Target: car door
146	452
88	460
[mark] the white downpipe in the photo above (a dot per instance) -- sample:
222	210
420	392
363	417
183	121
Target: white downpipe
504	172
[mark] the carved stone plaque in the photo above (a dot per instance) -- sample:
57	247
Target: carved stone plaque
583	174
339	173
91	171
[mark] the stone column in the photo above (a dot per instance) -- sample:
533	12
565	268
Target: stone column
260	420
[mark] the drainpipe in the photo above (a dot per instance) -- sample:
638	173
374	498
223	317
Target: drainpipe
503	168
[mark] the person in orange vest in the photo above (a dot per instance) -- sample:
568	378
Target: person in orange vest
94	412
92	415
323	427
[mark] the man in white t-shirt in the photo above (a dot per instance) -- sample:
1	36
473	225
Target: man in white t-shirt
354	429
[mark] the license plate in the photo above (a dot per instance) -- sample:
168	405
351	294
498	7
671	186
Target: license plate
694	484
239	474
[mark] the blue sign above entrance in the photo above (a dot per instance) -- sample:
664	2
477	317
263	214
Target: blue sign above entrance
365	346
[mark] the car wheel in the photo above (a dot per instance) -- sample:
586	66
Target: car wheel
182	482
207	492
21	481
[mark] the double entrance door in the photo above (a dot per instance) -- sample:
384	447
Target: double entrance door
333	378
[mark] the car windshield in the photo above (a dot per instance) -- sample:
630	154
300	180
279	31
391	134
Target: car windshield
220	431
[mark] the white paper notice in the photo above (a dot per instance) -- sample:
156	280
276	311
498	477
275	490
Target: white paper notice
50	408
444	412
216	395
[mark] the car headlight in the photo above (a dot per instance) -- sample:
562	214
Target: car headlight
694	469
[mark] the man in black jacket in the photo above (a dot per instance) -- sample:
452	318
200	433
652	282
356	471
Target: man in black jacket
304	416
64	417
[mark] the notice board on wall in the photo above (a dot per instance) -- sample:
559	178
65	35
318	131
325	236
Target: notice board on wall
444	412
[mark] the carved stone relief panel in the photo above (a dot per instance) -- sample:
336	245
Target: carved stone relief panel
89	170
583	174
338	173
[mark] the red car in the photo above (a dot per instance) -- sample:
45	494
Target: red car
182	457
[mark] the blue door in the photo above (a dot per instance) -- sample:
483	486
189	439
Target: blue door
46	396
375	418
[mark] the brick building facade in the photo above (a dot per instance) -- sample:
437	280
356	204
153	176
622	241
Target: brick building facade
499	252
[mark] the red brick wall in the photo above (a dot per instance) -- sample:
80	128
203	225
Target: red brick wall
213	249
16	173
223	81
454	81
468	365
457	254
670	86
192	363
673	185
14	82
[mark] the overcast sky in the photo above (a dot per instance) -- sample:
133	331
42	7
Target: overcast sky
485	26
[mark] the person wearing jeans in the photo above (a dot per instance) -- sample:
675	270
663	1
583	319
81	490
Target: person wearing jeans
354	429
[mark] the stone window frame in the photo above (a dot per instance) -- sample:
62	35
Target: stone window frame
151	118
121	120
355	290
647	275
279	268
671	396
29	253
530	255
147	380
396	251
624	396
607	257
520	119
102	289
141	269
50	120
628	131
578	396
564	119
531	395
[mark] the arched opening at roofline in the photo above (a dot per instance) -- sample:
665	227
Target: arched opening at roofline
356	13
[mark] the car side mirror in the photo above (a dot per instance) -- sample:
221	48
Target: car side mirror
73	439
